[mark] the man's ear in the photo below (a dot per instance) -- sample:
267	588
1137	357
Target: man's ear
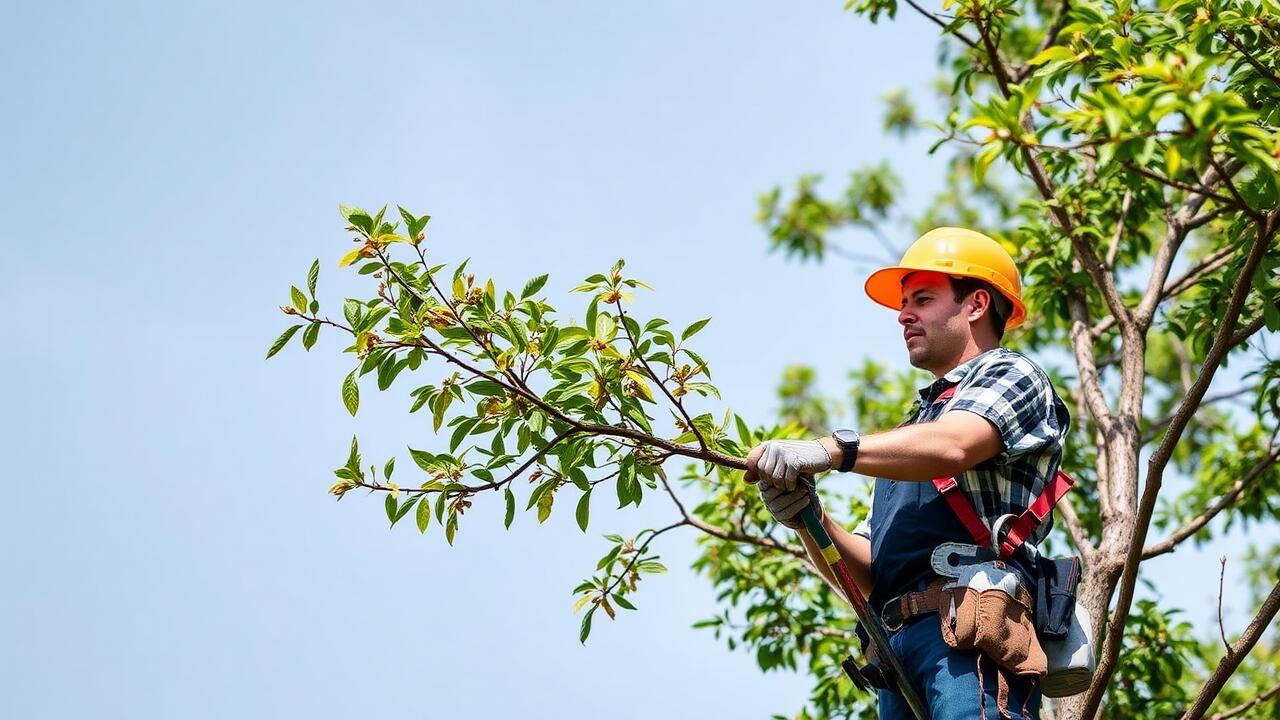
981	300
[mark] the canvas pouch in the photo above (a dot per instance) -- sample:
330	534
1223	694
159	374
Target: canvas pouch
987	609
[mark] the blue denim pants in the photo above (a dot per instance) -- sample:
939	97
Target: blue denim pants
955	684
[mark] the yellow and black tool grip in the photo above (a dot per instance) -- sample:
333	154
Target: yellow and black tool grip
875	629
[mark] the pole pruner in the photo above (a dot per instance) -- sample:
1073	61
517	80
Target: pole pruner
870	621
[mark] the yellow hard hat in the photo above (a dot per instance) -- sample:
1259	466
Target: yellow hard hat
957	252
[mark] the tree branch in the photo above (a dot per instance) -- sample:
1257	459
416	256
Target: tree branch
636	348
1181	185
1185	282
1222	628
1228	498
1248	330
938	21
1077	531
1235	654
1263	70
1154	429
1115	236
1160	460
733	536
1245	707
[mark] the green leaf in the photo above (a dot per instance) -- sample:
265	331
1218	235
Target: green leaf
744	434
282	340
511	507
389	468
312	276
628	485
543	488
693	329
586	627
544	505
533	286
351	393
310	335
622	602
353	458
652	567
438	409
583	512
451	527
404	509
391	507
361	220
351	311
299	300
592	309
1057	52
424	515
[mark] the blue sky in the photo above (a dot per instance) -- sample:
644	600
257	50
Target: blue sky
174	167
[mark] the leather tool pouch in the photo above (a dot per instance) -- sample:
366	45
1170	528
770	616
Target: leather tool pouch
1056	596
989	611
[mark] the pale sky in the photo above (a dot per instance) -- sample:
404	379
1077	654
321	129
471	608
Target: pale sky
174	167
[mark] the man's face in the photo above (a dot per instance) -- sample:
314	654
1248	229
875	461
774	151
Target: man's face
934	326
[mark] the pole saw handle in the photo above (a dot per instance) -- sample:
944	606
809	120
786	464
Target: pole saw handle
870	622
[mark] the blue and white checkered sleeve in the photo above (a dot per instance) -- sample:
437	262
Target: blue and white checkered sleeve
1017	398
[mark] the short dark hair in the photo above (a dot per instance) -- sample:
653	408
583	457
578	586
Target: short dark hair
1000	308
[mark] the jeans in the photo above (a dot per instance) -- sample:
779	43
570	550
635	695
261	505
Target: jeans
955	684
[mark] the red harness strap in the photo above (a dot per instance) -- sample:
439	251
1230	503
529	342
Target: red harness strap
1022	527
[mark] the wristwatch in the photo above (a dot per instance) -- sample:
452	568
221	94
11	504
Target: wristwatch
848	441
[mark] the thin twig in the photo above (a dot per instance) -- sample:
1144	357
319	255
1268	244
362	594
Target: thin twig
1228	498
1222	629
1235	654
1153	431
1115	236
1182	185
639	355
1245	707
1263	70
938	21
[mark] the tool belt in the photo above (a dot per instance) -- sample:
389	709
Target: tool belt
908	606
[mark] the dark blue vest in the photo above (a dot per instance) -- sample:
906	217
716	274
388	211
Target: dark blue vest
909	520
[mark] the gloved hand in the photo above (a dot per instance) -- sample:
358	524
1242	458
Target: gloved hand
785	505
780	462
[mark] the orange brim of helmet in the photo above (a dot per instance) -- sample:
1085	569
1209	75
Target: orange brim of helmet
884	286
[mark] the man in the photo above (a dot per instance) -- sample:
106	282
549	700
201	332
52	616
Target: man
991	419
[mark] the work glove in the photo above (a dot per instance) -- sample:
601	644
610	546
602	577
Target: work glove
785	505
780	462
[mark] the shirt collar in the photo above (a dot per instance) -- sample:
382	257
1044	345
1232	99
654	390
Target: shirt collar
953	377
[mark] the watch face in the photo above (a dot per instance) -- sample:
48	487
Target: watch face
845	437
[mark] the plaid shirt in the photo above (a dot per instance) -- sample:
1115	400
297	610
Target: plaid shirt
1018	399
